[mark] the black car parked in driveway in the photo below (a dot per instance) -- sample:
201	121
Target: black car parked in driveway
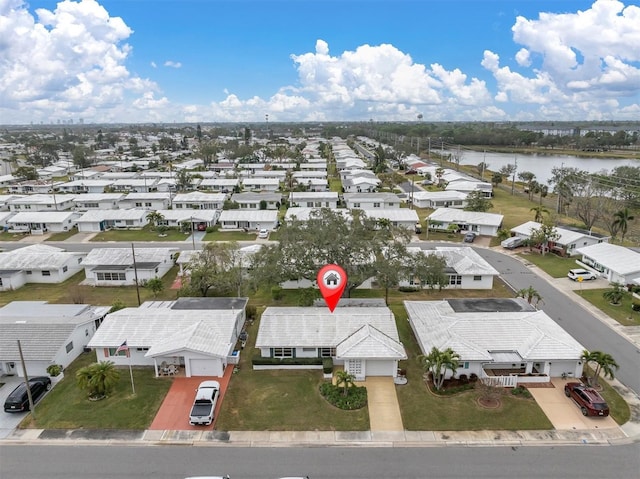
18	399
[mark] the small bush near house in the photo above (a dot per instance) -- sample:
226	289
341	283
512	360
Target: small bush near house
635	306
408	289
327	365
356	397
211	229
276	293
521	391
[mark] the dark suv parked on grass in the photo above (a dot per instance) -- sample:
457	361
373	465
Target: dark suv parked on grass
588	399
18	400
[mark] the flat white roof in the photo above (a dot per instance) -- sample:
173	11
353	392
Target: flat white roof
616	258
469	217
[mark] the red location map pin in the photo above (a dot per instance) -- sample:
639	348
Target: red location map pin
331	280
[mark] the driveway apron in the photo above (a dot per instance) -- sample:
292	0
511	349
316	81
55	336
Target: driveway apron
174	410
563	412
384	410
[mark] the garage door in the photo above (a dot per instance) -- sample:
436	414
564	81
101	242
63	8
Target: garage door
379	368
205	367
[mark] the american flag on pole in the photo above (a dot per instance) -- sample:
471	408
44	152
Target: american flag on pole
122	347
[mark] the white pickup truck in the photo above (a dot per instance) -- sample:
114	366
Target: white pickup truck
204	404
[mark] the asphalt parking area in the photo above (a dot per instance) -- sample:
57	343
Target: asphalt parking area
9	420
174	411
563	412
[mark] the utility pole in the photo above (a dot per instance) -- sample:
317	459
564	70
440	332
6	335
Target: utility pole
484	164
559	188
26	382
513	178
135	272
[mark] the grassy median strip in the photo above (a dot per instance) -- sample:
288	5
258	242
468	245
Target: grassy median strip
68	407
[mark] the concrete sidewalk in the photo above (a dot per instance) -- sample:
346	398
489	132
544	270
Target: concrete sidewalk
604	437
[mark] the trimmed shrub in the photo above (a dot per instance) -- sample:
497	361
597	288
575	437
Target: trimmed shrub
408	289
276	293
635	306
260	361
356	397
327	365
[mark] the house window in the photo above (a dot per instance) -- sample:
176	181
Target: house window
28	272
310	204
356	205
138	205
455	279
69	347
142	349
477	278
0	281
282	352
465	365
111	276
65	269
46	273
112	352
178	205
376	205
148	204
327	352
308	350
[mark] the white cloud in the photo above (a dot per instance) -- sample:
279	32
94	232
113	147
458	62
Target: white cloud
72	61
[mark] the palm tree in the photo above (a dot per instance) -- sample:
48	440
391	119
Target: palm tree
621	221
604	363
438	362
154	217
529	294
346	379
615	294
540	211
98	378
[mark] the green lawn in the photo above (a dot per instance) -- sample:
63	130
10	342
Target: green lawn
622	313
281	400
221	235
62	236
335	184
144	234
71	292
424	411
550	263
4	236
67	406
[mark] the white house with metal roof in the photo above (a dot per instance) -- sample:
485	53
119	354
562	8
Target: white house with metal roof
197	219
41	202
253	201
258	183
224	185
439	199
304	213
102	220
250	220
41	222
480	223
98	201
505	338
198	200
400	217
48	333
371	201
616	263
314	199
197	334
465	268
116	266
85	186
362	338
146	201
37	263
568	241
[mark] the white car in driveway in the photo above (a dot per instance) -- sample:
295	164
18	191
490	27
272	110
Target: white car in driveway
574	274
263	233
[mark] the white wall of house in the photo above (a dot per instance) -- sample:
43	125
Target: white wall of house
75	344
13	281
129	276
466	282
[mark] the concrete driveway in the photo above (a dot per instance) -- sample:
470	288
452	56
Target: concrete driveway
563	412
9	420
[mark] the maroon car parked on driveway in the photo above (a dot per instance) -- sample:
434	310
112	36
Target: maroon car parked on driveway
588	399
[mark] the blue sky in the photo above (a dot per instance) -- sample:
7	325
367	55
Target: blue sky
329	60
